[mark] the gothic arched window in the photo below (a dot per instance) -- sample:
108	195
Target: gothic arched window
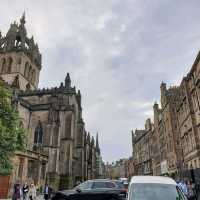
3	65
38	136
26	70
10	61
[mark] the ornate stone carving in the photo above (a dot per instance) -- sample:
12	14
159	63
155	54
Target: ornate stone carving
16	40
68	81
15	83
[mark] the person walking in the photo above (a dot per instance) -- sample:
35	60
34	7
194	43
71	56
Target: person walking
190	191
47	192
25	190
17	191
197	189
182	185
32	192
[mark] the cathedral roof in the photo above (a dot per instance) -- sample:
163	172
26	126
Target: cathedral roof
16	39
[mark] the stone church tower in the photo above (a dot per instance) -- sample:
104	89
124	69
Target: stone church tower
20	59
56	148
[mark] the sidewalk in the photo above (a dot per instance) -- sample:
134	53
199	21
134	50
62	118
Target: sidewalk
39	197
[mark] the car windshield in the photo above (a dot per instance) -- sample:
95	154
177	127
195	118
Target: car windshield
153	191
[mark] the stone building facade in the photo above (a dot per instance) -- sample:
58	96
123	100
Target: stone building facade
129	168
188	112
59	151
176	133
165	144
116	169
142	153
166	132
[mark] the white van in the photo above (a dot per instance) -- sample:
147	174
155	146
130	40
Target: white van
154	188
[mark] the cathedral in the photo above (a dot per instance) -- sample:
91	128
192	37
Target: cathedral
58	149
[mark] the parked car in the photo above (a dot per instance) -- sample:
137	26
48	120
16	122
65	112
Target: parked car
98	189
154	188
123	187
123	180
126	184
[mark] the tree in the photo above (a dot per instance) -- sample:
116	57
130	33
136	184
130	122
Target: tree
11	132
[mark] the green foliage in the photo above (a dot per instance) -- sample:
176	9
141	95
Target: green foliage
11	134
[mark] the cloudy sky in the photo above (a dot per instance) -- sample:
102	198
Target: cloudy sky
117	52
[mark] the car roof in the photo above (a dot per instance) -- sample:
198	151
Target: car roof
116	180
152	179
95	180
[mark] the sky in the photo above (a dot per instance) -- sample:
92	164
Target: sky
117	53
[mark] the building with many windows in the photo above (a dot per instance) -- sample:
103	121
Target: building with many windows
175	135
142	153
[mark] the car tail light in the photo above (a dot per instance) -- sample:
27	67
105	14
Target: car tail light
125	190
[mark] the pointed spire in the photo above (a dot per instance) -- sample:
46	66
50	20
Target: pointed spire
61	85
79	98
22	20
68	81
97	143
92	141
88	138
79	93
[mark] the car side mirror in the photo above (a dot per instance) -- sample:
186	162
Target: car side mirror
78	190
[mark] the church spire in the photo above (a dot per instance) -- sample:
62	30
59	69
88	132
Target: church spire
22	20
97	143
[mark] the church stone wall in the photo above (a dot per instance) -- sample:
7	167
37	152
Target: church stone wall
20	65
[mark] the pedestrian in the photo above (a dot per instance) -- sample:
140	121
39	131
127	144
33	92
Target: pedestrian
47	192
32	192
25	190
17	191
194	189
182	185
190	191
197	188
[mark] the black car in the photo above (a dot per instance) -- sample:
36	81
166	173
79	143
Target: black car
98	189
